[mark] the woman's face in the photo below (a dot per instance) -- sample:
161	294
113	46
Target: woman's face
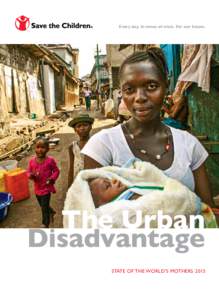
143	90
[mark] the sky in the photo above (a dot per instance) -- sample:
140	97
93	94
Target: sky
86	57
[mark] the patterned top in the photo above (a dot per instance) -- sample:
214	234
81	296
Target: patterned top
41	173
78	158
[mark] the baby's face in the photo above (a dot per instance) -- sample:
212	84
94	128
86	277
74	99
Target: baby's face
104	190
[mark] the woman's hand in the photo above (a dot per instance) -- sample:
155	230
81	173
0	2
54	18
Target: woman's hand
202	187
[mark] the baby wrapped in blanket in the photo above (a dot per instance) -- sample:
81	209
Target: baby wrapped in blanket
105	191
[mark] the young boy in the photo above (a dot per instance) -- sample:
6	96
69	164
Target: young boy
82	125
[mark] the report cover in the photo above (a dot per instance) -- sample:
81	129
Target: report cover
109	149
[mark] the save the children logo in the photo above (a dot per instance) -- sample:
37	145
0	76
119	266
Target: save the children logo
22	23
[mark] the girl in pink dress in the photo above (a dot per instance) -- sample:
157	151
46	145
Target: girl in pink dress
44	172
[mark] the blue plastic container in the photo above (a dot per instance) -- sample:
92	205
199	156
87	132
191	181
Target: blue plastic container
5	201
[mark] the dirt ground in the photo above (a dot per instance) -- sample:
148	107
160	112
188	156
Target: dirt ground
27	213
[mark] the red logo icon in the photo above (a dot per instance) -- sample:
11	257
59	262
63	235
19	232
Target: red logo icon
22	23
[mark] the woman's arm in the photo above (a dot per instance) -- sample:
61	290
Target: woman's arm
202	185
71	165
90	163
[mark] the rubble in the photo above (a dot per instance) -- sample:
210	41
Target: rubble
9	143
23	132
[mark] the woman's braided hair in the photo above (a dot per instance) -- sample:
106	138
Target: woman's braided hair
153	54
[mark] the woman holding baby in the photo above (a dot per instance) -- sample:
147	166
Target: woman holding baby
144	85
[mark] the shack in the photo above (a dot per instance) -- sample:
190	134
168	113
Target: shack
34	80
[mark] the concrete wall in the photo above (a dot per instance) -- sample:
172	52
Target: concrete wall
116	57
20	75
49	89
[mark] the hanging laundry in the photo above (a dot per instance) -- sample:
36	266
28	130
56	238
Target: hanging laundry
197	65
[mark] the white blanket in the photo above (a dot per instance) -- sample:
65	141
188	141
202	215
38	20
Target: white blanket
175	199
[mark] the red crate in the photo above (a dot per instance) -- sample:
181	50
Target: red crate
16	183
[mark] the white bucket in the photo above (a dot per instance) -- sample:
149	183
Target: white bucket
8	165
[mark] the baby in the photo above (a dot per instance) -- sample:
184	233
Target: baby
104	190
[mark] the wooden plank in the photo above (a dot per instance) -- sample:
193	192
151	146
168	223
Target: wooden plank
16	91
43	132
8	87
